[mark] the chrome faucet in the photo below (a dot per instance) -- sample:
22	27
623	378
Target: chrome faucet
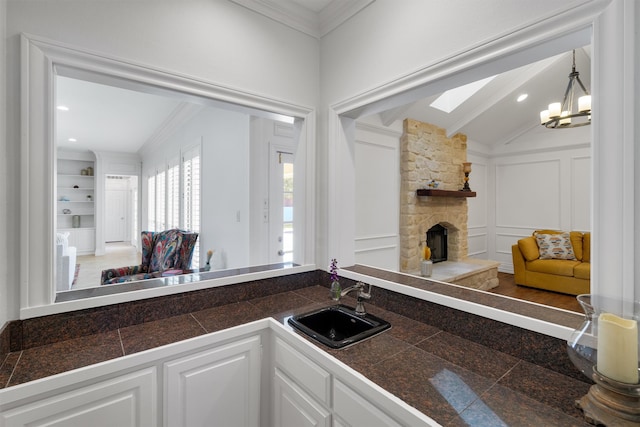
360	296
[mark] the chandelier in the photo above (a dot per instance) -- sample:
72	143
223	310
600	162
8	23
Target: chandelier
564	114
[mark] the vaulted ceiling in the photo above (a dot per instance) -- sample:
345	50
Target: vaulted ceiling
490	116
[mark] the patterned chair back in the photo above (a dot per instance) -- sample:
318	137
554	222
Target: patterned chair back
168	249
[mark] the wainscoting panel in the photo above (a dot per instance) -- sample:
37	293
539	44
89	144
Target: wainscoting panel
528	193
477	243
381	257
478	239
581	193
478	205
377	197
504	241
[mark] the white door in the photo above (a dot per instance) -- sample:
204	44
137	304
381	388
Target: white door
116	215
215	387
281	207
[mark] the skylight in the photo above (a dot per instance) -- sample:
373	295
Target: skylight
451	99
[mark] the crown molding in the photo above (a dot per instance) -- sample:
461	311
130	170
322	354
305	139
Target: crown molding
292	14
338	12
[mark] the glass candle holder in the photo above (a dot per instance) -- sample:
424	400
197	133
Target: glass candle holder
605	349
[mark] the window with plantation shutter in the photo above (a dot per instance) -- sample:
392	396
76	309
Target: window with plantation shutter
173	194
151	203
191	197
161	223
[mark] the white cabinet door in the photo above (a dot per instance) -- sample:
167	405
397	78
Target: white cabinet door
356	410
129	400
295	408
215	387
83	239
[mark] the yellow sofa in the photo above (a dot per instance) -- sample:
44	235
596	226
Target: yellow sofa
559	275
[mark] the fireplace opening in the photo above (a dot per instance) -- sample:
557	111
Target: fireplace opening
437	242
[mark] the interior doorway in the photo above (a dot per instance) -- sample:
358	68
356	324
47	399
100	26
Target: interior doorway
281	208
121	213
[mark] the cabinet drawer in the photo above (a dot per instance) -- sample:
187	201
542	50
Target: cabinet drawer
305	372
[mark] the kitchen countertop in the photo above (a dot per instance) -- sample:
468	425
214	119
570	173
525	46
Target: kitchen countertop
452	380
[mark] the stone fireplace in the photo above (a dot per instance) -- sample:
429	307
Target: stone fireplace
427	154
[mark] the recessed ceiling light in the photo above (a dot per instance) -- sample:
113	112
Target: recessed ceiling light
72	140
522	97
63	108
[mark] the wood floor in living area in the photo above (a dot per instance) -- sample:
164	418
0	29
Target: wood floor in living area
507	286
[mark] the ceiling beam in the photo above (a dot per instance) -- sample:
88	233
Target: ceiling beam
389	116
505	90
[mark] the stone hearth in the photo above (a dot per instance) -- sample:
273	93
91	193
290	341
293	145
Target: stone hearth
471	273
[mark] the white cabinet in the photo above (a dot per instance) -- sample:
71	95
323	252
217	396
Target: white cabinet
302	389
83	239
355	410
295	408
128	400
219	379
312	389
220	387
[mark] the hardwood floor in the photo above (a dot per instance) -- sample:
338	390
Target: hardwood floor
509	288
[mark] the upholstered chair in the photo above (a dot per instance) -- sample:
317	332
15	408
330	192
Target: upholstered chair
161	251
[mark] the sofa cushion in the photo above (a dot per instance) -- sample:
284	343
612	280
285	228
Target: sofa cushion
576	241
555	246
586	247
529	248
582	271
559	267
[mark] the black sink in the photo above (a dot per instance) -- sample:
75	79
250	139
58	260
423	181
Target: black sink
338	326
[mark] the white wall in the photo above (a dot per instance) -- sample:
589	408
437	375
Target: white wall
479	212
375	55
221	42
211	40
377	195
224	139
8	219
390	39
541	180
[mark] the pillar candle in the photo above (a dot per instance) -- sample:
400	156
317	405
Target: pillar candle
584	103
555	109
618	348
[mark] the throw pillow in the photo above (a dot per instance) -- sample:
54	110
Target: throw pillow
555	246
576	242
529	248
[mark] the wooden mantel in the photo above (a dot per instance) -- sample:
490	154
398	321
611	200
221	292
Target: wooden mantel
444	193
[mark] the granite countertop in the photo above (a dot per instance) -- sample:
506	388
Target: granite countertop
452	380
